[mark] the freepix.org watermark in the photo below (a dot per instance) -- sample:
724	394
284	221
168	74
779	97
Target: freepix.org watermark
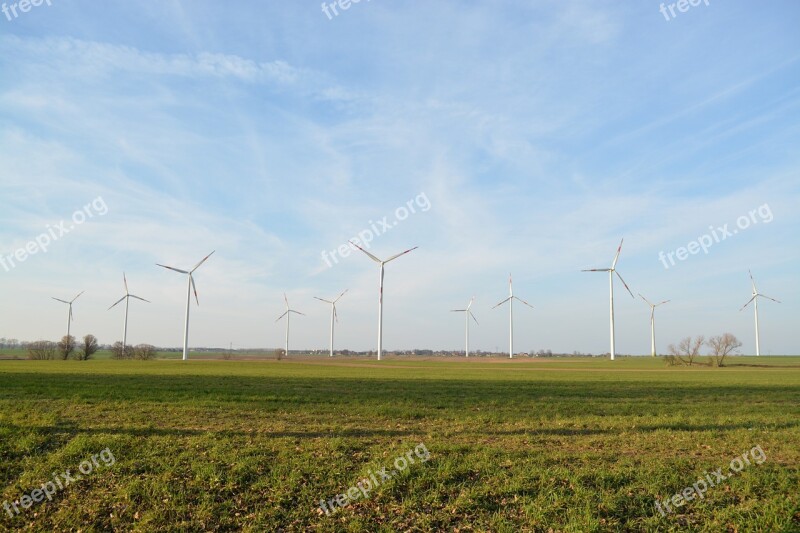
49	489
699	487
717	235
344	5
23	6
52	233
380	227
374	480
682	7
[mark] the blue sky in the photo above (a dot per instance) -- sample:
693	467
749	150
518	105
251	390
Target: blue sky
538	134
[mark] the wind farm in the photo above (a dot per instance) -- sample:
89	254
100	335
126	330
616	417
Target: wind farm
481	160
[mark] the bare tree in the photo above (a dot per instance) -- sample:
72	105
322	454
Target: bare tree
687	350
88	348
66	346
143	352
42	350
118	351
722	346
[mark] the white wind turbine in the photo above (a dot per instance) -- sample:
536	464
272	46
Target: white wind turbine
191	288
69	315
467	315
652	323
288	315
380	294
127	299
611	271
510	301
334	316
754	299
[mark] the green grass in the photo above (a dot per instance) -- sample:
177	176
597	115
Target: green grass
572	445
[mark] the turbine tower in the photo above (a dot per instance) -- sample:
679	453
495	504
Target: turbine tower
70	318
652	323
191	288
380	293
288	315
754	299
510	301
467	315
333	313
127	299
611	271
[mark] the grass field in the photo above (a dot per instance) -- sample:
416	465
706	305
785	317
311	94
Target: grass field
561	445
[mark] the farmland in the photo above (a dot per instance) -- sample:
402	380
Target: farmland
567	444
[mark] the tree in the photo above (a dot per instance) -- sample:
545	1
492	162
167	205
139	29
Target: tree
722	346
42	350
120	352
66	346
687	350
144	352
280	352
88	348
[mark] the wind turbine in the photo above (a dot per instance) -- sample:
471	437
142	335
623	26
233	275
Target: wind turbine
69	315
380	294
467	315
652	323
754	299
288	314
191	288
510	301
611	271
127	299
333	314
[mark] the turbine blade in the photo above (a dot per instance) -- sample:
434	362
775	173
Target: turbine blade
285	299
501	303
202	261
125	281
335	314
662	303
616	257
596	270
626	285
401	253
768	298
138	298
473	317
196	299
60	300
458	310
646	300
172	268
296	312
470	303
77	296
753	281
337	298
366	252
748	302
71	316
118	301
523	301
323	300
283	315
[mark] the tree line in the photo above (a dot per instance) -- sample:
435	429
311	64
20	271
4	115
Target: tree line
69	348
